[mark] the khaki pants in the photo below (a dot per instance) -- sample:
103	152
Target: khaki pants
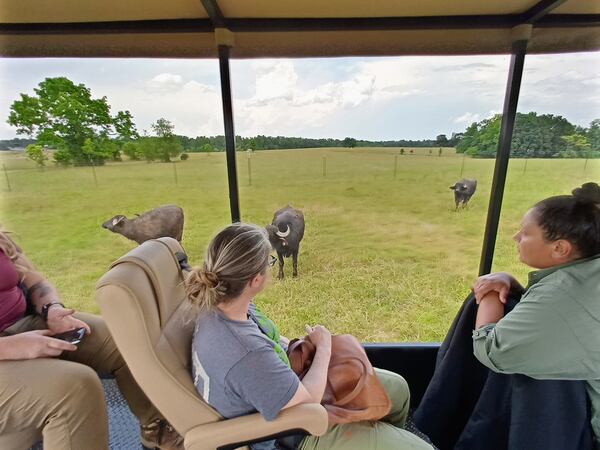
386	434
62	398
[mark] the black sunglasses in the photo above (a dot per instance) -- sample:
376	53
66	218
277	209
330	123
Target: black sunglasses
272	260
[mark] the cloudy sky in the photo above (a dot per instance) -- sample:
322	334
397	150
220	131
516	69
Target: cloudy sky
366	98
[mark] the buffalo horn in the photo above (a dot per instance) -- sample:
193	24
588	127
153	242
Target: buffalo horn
284	233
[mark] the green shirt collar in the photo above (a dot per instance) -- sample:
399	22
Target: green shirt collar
537	275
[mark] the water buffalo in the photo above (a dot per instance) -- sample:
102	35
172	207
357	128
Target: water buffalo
285	233
463	191
163	221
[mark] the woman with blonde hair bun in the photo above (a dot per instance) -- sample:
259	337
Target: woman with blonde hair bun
239	358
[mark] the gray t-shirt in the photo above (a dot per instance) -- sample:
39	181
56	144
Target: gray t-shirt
236	369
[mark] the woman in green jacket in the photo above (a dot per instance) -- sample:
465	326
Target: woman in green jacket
554	331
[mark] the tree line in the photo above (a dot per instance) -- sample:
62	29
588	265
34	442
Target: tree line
63	116
534	136
261	142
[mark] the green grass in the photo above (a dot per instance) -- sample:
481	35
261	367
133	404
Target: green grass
384	258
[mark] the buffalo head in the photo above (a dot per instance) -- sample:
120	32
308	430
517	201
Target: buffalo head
276	236
115	223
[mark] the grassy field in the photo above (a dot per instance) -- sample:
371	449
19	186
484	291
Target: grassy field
385	258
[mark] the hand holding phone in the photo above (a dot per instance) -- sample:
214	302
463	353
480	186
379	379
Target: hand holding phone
72	336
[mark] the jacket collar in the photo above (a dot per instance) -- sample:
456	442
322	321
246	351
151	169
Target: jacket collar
537	275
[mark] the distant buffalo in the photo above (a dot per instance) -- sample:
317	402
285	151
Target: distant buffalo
163	221
463	191
285	233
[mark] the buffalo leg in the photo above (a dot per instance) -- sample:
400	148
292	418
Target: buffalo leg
280	257
295	263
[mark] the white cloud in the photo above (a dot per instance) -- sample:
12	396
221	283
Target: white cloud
7	130
359	89
274	81
467	118
378	98
194	109
282	104
430	95
165	83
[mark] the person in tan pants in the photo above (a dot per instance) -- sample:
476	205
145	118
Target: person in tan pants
49	388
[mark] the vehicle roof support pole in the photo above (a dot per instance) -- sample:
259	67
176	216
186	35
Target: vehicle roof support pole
224	40
521	35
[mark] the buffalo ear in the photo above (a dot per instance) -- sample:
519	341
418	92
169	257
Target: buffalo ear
117	220
452	187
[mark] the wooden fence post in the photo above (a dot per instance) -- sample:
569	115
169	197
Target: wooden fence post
7	179
249	170
175	174
94	173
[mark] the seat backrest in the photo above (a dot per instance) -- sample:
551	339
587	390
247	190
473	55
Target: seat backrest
143	301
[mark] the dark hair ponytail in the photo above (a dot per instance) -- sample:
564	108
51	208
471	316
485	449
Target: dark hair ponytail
588	193
575	218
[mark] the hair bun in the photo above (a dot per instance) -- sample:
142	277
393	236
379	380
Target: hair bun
588	193
208	278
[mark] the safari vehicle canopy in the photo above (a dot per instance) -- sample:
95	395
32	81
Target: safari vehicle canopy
227	29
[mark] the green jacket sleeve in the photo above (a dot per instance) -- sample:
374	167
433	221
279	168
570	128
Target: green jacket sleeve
533	339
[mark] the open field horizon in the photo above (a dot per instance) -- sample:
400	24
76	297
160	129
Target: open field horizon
384	258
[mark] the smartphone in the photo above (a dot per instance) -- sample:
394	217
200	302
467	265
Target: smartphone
73	336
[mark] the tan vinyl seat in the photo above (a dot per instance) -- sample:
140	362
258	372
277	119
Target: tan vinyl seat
144	304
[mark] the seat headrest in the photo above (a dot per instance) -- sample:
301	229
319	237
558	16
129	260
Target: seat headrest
162	261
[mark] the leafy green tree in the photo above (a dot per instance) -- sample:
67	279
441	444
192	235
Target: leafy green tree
468	139
534	136
36	154
540	136
349	142
124	126
577	146
163	128
455	139
441	140
481	138
489	135
98	150
167	144
132	150
250	144
148	148
64	115
593	135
